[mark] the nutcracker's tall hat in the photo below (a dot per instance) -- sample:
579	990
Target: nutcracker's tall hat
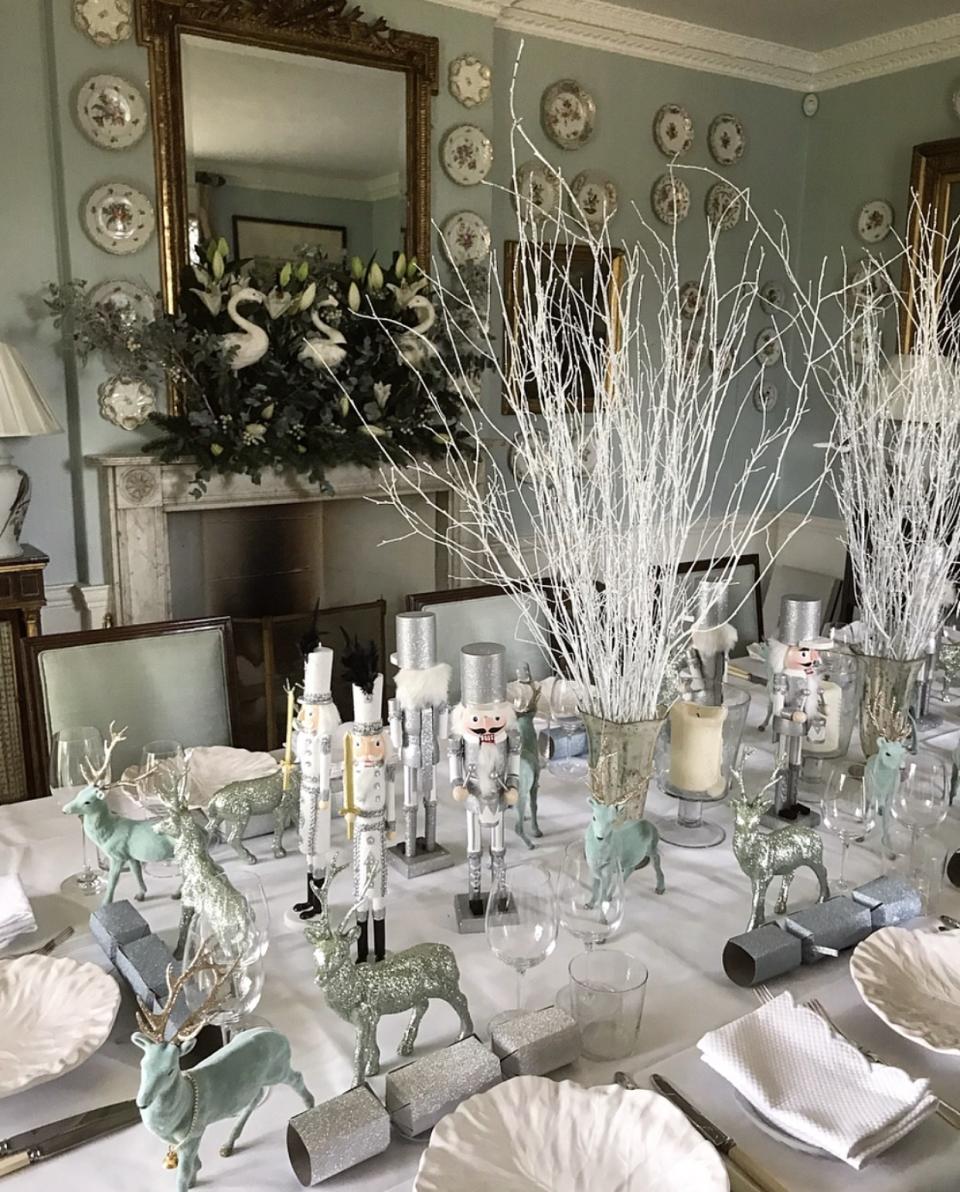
368	706
800	622
416	641
711	604
482	673
360	670
316	677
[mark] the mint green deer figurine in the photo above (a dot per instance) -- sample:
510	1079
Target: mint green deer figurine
125	841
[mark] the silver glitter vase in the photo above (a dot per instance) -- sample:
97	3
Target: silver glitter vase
888	686
621	761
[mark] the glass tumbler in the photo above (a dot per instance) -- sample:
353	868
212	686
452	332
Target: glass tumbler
608	990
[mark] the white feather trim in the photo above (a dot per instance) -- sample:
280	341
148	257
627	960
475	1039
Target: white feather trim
423	688
720	640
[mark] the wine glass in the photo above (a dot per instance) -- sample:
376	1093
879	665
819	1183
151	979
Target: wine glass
920	801
849	811
521	923
163	767
591	908
75	751
565	715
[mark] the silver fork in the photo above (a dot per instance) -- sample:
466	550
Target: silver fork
948	1112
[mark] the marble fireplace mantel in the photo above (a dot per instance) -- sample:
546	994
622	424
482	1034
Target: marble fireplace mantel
140	492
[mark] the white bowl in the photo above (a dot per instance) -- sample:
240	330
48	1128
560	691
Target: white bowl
55	1013
534	1133
911	979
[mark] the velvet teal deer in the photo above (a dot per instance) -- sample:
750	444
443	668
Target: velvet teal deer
528	785
127	842
612	837
178	1106
881	774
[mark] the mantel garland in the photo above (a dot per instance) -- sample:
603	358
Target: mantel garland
274	396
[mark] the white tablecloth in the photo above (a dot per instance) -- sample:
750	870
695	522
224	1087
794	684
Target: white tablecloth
679	936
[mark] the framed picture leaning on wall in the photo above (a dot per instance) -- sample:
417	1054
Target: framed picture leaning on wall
279	239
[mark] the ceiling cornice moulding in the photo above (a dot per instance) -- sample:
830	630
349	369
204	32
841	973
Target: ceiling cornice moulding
602	25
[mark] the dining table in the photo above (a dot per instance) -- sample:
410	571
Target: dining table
679	936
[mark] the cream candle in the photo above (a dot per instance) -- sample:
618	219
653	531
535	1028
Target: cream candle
832	697
696	747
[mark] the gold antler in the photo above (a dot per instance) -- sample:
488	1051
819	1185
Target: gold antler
97	777
154	1023
889	720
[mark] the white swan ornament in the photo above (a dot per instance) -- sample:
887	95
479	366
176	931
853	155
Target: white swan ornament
411	346
324	350
252	342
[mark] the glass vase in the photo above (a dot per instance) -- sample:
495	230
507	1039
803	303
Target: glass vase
888	686
840	689
621	761
684	757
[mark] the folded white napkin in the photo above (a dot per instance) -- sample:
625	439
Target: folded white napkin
788	1063
16	917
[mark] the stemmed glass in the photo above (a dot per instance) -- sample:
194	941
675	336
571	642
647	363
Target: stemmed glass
849	811
163	767
521	924
591	909
565	714
72	752
920	801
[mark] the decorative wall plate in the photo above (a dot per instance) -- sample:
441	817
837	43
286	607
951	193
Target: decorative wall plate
104	21
596	196
673	130
531	1132
469	80
118	218
772	297
869	278
670	199
722	361
127	401
911	979
874	221
691	299
466	238
111	111
765	394
130	300
724	206
467	154
56	1012
568	114
538	190
767	347
810	104
726	139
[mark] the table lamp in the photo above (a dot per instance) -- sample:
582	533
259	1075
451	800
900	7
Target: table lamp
23	412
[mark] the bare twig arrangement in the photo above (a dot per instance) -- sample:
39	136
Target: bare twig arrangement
888	720
897	436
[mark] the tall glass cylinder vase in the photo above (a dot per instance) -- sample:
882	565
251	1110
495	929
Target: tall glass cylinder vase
621	761
698	747
840	680
888	685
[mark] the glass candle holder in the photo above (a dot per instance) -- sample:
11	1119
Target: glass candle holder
840	688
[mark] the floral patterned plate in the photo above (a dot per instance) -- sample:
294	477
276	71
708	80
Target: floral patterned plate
596	197
538	191
726	139
126	401
104	21
469	80
118	218
568	113
724	206
869	280
128	299
670	199
111	111
466	238
772	297
673	130
765	394
467	154
874	221
767	347
691	299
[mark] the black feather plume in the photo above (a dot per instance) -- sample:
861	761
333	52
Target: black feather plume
359	663
312	639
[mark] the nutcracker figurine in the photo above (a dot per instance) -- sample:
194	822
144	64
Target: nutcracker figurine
317	721
711	641
484	752
418	722
368	797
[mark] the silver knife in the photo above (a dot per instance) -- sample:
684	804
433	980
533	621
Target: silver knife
713	1134
44	1142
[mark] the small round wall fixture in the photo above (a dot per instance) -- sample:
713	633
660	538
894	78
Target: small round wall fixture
111	111
811	104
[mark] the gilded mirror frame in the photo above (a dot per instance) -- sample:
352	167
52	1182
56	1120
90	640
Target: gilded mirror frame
323	28
935	168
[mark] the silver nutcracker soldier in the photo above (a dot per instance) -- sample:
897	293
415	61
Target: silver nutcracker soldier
484	755
317	722
418	722
369	805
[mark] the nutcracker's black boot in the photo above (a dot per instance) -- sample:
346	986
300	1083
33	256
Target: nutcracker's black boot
313	905
363	947
379	938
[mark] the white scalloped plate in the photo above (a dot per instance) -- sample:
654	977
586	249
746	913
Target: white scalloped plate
911	979
56	1012
533	1133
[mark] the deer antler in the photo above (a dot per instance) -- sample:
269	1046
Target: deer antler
96	777
887	718
154	1024
736	772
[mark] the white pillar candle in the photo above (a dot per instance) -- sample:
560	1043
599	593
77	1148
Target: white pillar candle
832	697
696	747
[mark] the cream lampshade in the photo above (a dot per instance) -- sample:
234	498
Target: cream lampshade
23	412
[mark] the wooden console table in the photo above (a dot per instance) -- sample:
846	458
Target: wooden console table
21	599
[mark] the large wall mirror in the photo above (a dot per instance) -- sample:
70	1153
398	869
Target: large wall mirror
935	181
281	123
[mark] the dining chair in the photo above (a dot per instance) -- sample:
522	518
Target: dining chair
169	679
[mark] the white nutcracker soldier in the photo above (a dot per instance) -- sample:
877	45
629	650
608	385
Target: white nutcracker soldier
484	755
418	722
317	722
368	798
